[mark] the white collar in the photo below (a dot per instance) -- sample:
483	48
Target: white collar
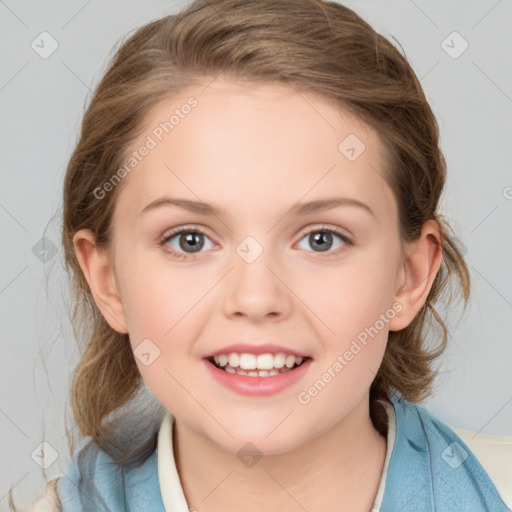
391	436
170	485
168	478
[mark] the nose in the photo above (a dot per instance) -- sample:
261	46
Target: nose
257	289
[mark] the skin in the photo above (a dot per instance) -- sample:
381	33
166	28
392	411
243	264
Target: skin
256	151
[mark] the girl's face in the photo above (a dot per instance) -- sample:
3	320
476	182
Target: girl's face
258	270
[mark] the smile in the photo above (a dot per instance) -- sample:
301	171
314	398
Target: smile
261	365
265	374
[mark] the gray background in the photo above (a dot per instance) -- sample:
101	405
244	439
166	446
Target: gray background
41	103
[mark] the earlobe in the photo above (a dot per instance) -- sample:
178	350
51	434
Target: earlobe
99	274
417	274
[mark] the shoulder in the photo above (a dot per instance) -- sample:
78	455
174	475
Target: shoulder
484	458
91	476
49	501
432	464
95	480
494	452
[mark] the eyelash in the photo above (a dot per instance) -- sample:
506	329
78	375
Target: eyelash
186	230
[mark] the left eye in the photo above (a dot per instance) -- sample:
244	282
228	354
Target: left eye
323	238
188	239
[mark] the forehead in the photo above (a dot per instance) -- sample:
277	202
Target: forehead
255	146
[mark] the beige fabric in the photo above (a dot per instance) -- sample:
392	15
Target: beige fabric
49	502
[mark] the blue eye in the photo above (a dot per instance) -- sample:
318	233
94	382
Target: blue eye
194	239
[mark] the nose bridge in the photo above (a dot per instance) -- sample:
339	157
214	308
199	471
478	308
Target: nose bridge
255	289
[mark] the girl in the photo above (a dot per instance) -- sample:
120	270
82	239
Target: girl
252	232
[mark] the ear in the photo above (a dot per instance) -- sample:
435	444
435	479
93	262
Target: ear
99	273
422	262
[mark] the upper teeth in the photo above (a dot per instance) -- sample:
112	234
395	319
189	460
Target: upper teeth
261	361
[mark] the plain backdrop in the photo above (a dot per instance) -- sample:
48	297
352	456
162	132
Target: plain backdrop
42	99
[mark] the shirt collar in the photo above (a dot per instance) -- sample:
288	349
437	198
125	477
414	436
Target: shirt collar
168	478
173	497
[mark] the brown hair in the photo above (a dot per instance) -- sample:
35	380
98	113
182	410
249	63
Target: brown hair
312	45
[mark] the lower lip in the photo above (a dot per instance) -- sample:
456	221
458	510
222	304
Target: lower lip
258	386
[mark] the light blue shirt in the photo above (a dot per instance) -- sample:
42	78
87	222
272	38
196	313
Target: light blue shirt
430	470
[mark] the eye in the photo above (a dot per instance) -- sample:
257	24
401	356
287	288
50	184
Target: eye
186	238
322	238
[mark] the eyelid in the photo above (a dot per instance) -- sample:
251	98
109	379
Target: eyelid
186	227
327	227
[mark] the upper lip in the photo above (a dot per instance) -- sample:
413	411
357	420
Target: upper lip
244	348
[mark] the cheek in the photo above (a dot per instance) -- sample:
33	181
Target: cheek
353	308
164	309
155	296
350	297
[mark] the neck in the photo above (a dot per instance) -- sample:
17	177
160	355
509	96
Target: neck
339	470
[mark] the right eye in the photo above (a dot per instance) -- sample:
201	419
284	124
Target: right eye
186	238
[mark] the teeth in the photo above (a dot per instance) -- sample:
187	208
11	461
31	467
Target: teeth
246	361
234	360
252	373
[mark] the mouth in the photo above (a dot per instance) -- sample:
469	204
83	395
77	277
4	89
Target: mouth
263	374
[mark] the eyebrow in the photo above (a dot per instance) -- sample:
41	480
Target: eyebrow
299	209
